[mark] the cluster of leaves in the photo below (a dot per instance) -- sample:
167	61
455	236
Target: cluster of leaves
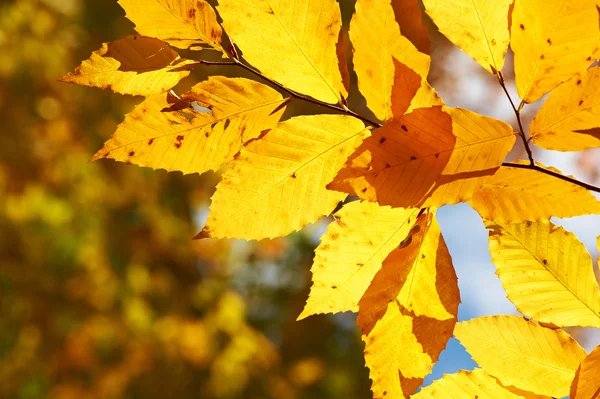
384	256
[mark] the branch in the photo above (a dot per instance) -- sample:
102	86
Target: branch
518	115
552	173
345	110
239	63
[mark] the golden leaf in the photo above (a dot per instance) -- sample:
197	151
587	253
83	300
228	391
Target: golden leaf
478	27
521	353
194	142
376	39
569	120
552	40
546	272
415	159
408	313
517	194
134	65
586	384
351	253
469	385
276	185
181	23
292	42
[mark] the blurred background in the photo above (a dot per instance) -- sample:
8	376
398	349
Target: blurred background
103	294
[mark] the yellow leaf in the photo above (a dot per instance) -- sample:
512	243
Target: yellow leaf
276	185
415	160
407	315
521	353
586	384
569	120
181	23
478	27
193	142
351	253
410	18
517	194
469	385
546	272
376	39
292	42
135	65
552	40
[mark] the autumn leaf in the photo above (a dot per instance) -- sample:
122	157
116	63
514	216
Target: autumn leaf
410	18
195	142
407	315
351	252
586	384
552	40
469	385
134	65
516	194
478	27
181	23
521	353
376	39
276	185
416	160
569	120
272	38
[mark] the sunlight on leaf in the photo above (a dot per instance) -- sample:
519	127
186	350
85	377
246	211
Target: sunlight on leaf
586	384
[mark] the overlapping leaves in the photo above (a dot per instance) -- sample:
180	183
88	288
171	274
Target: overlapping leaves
384	256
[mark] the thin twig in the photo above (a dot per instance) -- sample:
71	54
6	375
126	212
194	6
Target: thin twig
347	111
552	173
518	115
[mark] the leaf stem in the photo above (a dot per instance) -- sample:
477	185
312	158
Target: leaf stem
518	115
552	173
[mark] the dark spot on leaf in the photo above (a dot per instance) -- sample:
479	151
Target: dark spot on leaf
293	176
382	140
544	261
528	223
177	145
360	264
384	393
404	128
522	27
387	165
131	153
589	58
192	13
542	57
150	141
437	155
422	256
580	102
333	287
549	41
341	223
106	154
335	236
578	81
207	134
325	247
227	123
364	190
180	138
412	158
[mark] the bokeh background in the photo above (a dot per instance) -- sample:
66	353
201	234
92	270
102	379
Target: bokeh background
103	294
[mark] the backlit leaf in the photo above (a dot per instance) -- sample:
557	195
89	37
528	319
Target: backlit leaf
194	142
521	353
376	39
135	65
478	27
351	252
181	23
415	159
276	185
408	313
546	272
517	194
468	385
552	40
586	384
292	42
568	118
410	17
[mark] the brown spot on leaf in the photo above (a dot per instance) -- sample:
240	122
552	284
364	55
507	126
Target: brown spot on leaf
177	145
544	261
150	141
522	27
293	176
106	154
493	42
580	102
360	264
180	138
382	140
207	134
192	13
542	57
549	41
364	190
341	223
335	236
131	153
387	165
589	58
333	287
578	81
412	158
404	128
325	247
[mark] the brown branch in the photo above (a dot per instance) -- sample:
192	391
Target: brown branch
555	174
345	110
518	115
